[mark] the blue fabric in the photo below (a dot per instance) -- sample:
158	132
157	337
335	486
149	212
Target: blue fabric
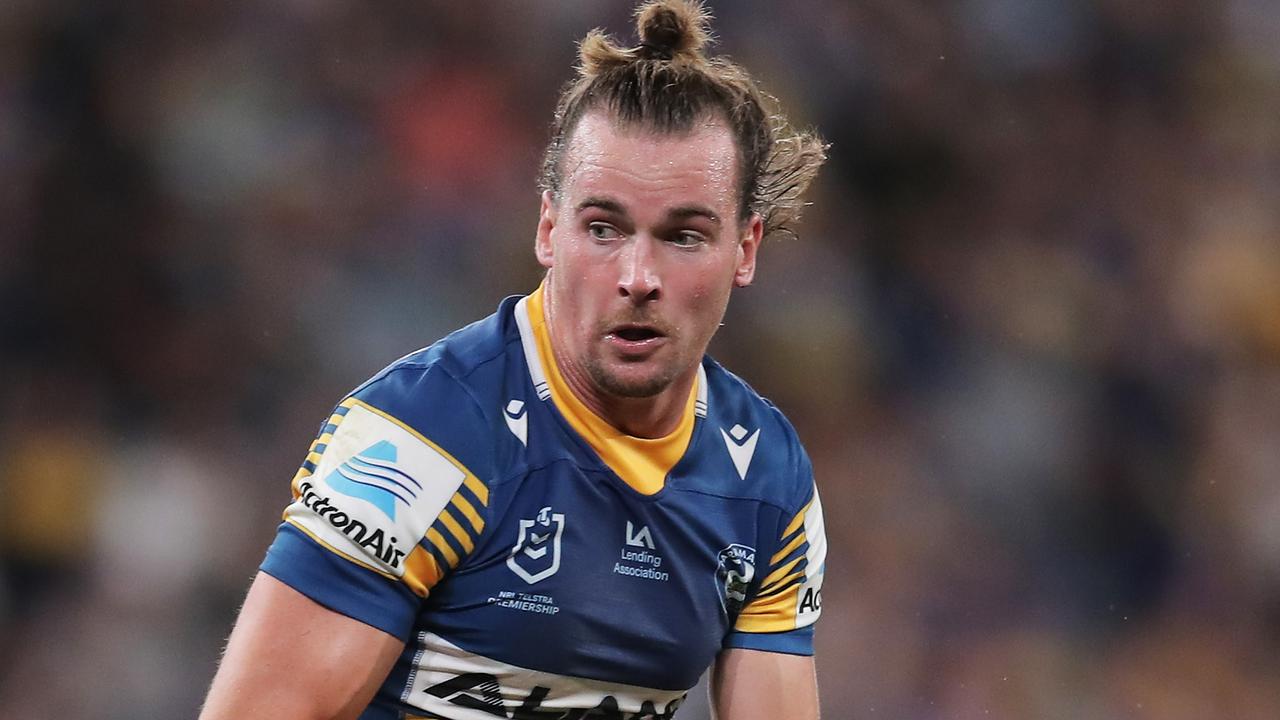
575	574
339	584
792	642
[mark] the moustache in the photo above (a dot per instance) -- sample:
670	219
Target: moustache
644	320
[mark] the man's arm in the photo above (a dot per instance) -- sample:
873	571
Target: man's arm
289	657
757	685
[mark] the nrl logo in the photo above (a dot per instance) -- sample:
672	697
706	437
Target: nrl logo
735	570
536	555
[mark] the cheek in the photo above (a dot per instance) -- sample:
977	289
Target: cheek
712	284
708	300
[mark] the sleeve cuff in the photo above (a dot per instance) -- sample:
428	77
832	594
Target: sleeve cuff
339	584
791	642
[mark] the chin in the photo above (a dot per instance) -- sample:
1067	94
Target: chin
630	384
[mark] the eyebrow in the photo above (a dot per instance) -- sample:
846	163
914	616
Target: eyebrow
602	203
682	212
685	212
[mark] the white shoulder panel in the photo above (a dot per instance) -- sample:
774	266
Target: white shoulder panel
376	489
809	598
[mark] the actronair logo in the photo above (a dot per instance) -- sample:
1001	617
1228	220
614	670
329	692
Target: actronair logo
810	600
382	544
372	476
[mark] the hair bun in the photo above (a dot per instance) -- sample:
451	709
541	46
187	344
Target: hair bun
670	29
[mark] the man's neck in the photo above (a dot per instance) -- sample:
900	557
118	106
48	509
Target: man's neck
643	417
647	417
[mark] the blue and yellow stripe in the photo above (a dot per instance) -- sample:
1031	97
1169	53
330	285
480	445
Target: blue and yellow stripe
318	446
775	606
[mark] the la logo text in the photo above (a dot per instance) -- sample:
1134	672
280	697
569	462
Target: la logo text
642	539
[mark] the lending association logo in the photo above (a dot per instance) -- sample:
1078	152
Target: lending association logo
736	568
372	476
639	557
536	555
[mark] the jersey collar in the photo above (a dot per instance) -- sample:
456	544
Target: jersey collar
643	463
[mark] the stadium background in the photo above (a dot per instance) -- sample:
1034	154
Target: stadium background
1031	332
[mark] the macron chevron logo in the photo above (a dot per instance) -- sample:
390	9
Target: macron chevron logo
517	420
372	475
741	448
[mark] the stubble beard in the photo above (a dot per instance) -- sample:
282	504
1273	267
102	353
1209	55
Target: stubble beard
643	387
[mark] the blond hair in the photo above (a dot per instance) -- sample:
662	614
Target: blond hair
666	84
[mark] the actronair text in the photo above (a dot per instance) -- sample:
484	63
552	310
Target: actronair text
378	542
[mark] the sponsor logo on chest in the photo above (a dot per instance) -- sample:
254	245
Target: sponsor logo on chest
486	693
639	556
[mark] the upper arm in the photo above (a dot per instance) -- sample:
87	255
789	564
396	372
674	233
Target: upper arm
757	685
381	513
780	614
766	669
291	657
388	502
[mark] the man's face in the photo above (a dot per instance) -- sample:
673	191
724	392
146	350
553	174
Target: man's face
643	246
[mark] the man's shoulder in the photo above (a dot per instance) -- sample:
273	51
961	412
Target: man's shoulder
458	359
767	458
731	396
447	392
460	353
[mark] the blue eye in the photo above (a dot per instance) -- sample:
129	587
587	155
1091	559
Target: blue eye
687	238
603	231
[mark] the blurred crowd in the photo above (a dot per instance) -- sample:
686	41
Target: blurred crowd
1030	330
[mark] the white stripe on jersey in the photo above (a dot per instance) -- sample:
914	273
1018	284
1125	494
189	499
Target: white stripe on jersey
530	345
700	404
809	603
451	682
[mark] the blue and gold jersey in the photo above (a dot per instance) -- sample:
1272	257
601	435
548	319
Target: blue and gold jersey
535	560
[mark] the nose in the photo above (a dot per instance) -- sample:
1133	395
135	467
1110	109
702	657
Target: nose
638	278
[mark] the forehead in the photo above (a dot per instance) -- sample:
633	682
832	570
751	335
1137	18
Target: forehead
648	167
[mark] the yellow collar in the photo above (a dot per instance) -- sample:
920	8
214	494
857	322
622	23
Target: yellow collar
643	463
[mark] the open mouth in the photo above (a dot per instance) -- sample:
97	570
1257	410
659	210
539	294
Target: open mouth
632	333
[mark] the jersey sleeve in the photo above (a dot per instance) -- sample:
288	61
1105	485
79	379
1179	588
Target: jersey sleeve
787	602
381	510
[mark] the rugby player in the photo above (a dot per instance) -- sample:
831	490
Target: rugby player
567	510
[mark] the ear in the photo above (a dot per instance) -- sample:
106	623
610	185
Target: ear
752	232
542	246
